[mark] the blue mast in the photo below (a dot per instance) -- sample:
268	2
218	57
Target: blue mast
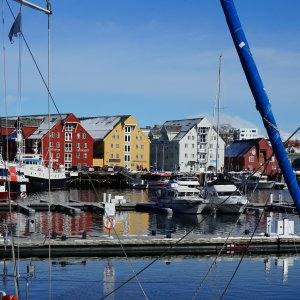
261	98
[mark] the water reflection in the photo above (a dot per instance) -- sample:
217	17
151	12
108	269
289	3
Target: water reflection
131	223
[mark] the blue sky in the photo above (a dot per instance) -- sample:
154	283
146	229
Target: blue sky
157	60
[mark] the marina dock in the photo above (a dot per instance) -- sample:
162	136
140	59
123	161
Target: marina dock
108	247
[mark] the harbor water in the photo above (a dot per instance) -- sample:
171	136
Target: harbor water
169	277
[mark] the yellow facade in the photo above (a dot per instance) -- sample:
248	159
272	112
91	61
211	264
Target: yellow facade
126	146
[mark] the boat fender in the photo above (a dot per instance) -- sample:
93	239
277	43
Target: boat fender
23	195
9	297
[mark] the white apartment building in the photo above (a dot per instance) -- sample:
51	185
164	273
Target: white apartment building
188	145
245	134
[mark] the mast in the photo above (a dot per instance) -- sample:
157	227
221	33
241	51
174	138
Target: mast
218	112
261	98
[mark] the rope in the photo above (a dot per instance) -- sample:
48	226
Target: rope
36	65
10	207
121	245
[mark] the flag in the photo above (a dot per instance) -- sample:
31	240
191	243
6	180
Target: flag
15	28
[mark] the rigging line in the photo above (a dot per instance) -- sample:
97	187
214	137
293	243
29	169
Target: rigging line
197	290
160	256
247	247
16	283
218	255
121	244
249	243
36	65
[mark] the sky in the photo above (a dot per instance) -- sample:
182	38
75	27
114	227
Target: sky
157	60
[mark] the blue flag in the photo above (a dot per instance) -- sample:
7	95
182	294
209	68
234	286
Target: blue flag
15	28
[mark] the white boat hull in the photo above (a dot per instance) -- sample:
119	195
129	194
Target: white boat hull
185	206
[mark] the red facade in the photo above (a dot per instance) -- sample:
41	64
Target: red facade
71	144
254	159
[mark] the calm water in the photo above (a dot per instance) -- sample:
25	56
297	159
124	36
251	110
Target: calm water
169	277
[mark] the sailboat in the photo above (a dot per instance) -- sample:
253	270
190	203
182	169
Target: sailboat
222	194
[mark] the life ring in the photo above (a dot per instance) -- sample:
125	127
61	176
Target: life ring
23	195
109	222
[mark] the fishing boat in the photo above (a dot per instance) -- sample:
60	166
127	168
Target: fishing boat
150	181
181	199
224	197
40	175
12	179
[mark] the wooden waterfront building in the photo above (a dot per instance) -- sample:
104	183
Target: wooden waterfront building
71	144
251	155
118	141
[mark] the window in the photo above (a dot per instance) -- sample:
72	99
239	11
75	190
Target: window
251	158
78	135
127	157
77	155
142	146
111	146
127	148
136	147
193	146
84	135
117	146
85	145
117	136
57	155
58	145
128	129
185	155
53	134
77	145
111	155
84	155
127	138
193	137
68	136
68	147
185	145
117	155
203	138
51	145
136	156
68	127
193	155
68	157
58	135
142	156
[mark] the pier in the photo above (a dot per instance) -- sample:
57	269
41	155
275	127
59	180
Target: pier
105	247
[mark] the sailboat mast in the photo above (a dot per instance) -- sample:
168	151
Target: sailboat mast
218	111
261	98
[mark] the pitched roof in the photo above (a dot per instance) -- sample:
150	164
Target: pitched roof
99	127
181	126
44	125
240	148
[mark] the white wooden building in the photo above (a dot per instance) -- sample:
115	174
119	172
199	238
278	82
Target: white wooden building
188	145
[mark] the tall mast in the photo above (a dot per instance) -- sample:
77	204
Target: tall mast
261	98
218	111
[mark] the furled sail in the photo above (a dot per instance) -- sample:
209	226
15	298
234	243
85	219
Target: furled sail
261	99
